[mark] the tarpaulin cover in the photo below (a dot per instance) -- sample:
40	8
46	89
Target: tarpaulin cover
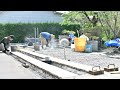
114	43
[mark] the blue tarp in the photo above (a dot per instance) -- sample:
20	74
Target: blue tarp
113	43
118	40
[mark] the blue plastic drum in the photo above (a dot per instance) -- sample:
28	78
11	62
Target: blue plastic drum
88	48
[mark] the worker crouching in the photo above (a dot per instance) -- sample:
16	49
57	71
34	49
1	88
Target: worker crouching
45	38
6	42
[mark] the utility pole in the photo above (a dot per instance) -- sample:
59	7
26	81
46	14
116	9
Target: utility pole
35	34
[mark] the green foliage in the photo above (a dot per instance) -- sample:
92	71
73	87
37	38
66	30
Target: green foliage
72	32
77	17
66	32
22	30
107	26
2	34
105	38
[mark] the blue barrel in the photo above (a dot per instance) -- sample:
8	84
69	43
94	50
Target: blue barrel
88	48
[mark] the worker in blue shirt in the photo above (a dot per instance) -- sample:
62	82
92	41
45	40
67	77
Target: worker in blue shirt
45	38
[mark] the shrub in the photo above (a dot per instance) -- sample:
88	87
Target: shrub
22	30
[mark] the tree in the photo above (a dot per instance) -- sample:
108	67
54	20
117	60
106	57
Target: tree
82	18
108	21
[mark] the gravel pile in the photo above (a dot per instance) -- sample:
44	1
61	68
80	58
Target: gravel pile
95	58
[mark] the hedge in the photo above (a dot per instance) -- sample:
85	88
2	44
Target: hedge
22	30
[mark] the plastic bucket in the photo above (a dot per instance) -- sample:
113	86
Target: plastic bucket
36	47
2	47
13	48
73	47
88	48
80	44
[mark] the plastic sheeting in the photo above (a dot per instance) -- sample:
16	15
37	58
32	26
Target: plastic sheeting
113	43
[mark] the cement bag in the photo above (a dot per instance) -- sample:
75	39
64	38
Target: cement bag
2	47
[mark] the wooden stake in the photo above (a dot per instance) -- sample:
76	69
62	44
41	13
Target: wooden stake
64	53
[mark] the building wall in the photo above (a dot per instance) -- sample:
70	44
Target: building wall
29	16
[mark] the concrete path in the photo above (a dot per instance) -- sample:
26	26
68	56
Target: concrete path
12	69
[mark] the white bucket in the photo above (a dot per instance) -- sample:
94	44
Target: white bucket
36	47
44	46
73	47
2	47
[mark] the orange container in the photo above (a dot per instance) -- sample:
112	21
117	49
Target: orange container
80	44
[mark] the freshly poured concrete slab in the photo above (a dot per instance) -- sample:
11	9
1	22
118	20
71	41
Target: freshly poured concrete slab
55	71
60	61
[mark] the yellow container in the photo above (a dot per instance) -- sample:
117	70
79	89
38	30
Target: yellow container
80	44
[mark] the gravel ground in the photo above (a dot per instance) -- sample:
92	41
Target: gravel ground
95	58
